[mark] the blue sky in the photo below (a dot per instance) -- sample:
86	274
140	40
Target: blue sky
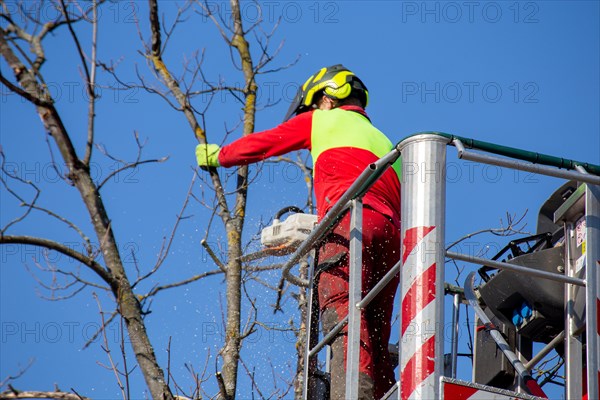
522	74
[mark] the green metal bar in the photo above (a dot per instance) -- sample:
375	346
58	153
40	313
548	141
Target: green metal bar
519	154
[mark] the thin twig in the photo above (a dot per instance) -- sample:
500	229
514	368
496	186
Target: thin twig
100	330
18	374
165	249
28	204
106	349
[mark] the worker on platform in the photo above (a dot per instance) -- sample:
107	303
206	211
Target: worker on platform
330	121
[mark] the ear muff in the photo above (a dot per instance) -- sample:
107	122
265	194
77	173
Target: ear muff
339	93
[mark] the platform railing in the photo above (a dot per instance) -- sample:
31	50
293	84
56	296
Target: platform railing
423	256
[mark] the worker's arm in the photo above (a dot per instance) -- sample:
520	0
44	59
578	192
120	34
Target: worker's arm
289	136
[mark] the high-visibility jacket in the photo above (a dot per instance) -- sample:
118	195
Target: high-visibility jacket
342	141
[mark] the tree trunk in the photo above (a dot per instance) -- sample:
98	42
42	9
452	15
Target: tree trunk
231	349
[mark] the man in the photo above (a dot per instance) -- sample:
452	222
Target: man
331	122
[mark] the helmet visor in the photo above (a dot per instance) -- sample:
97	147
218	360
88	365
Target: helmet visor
295	105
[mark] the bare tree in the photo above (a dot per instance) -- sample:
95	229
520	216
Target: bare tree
22	49
230	209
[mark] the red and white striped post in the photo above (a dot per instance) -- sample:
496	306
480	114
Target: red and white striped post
422	273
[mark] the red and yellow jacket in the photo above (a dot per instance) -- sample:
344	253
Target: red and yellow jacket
342	141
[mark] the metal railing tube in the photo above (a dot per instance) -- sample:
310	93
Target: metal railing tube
519	154
525	166
364	181
336	329
545	351
379	286
516	268
455	333
361	305
355	267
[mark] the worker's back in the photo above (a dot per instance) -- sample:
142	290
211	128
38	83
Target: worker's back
343	144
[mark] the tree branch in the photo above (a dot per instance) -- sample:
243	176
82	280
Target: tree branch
19	373
106	349
52	245
212	255
32	394
181	283
15	89
156	58
127	165
29	204
164	250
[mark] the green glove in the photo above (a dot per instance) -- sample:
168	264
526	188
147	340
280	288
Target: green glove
207	155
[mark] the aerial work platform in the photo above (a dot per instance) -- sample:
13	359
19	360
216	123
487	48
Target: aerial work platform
543	289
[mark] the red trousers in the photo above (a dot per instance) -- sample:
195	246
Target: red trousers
381	251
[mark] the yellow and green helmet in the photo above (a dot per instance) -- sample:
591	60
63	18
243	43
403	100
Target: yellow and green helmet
336	82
